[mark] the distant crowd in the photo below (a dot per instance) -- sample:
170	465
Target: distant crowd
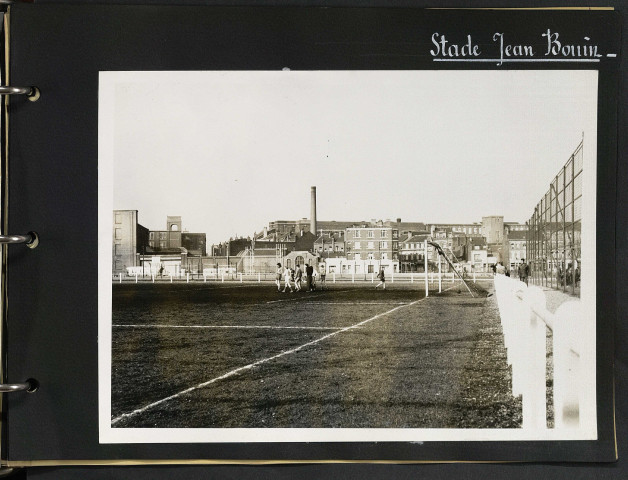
569	276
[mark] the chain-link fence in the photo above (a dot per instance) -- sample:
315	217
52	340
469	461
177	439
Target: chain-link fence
553	241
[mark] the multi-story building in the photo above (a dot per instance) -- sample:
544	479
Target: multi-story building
130	239
412	253
327	244
175	238
194	243
289	226
496	235
517	241
374	241
297	227
462	228
284	243
478	257
493	229
168	238
515	227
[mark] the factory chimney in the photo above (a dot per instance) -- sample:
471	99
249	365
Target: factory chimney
313	211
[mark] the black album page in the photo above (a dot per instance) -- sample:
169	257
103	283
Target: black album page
307	234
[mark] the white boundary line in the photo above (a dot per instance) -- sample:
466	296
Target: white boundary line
255	364
316	302
294	299
357	303
227	326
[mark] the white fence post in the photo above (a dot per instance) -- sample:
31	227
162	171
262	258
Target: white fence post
372	278
568	380
135	277
259	277
525	320
240	278
534	395
204	277
223	277
353	277
152	276
171	278
427	286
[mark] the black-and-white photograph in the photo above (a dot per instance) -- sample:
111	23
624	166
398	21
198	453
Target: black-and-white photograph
309	256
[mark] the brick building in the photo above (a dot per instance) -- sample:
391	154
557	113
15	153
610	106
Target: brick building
374	241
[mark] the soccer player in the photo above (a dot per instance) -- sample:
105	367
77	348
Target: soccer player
382	279
323	272
287	275
278	277
298	275
309	271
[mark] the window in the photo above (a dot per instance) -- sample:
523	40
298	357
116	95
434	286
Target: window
118	234
118	218
384	256
356	234
383	245
370	234
370	245
356	245
357	256
370	257
384	233
174	227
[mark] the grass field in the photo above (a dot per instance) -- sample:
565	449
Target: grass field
244	355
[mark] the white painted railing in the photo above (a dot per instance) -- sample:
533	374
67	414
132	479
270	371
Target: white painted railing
524	319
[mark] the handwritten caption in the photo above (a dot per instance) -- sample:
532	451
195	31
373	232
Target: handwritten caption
551	48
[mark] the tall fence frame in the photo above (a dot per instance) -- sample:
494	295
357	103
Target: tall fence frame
553	241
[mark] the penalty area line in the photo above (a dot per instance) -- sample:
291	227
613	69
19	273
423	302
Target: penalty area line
250	366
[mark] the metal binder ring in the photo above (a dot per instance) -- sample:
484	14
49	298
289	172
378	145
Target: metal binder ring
31	239
7	90
15	387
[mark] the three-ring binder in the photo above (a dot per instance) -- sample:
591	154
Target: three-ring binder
31	239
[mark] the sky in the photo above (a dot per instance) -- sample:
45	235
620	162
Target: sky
231	151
